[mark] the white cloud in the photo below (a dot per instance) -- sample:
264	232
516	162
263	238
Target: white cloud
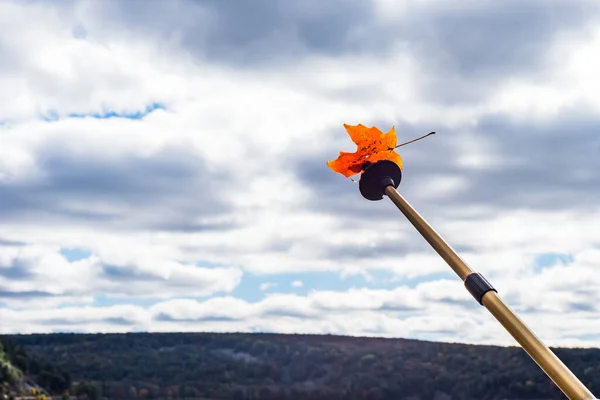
440	310
46	277
574	84
297	284
267	285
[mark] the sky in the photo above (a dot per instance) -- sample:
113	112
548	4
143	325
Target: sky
163	166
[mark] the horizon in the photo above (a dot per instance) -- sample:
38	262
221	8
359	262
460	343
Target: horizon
313	335
316	335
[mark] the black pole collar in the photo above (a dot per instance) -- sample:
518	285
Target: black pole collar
377	177
477	285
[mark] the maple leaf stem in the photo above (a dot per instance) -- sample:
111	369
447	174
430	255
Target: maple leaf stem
414	140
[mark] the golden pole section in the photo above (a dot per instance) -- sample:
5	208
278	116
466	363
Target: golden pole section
539	352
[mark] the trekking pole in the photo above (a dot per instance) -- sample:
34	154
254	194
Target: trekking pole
381	179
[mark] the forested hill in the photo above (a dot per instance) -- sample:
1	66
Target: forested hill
23	375
270	366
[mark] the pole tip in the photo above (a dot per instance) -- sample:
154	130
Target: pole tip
377	177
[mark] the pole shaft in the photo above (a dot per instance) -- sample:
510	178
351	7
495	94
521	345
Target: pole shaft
566	381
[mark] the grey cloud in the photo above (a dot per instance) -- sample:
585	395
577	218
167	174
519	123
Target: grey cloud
547	166
378	250
461	50
17	270
582	306
9	58
165	317
464	50
9	294
191	227
124	273
8	242
469	304
261	32
59	321
286	311
166	191
73	322
119	321
591	336
394	307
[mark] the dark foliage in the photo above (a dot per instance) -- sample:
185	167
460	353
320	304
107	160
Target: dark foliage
46	375
270	366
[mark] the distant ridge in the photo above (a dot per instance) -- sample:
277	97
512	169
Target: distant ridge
286	366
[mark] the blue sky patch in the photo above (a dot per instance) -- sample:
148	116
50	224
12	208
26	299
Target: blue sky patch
107	301
79	32
53	115
114	114
73	255
547	260
249	288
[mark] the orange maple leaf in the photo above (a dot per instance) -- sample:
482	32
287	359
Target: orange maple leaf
372	146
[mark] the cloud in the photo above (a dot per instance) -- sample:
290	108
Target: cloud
38	274
240	34
440	310
183	149
267	285
88	180
297	284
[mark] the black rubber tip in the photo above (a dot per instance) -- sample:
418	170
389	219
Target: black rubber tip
377	177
